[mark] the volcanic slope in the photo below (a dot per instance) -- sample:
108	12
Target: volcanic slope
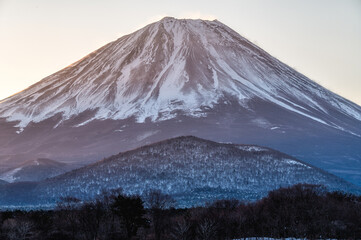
180	77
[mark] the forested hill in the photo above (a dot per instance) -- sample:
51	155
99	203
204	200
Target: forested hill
191	170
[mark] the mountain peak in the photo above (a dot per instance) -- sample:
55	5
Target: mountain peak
167	18
171	67
170	19
170	78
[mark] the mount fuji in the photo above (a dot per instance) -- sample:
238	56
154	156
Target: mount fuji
179	77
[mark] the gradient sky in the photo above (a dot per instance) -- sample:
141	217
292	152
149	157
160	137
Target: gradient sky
321	39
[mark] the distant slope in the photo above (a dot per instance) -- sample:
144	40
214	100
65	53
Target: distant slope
34	170
190	169
3	182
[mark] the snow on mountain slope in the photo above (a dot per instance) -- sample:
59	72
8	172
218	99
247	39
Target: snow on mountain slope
9	175
194	171
34	170
179	77
173	65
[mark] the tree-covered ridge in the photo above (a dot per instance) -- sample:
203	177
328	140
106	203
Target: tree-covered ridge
191	170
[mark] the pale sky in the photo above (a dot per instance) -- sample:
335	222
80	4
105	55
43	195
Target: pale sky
321	39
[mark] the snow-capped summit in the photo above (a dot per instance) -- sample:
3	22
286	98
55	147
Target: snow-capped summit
170	65
176	77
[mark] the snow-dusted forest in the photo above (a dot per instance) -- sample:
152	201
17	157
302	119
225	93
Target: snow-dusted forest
192	170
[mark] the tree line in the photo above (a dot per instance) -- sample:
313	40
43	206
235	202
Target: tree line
300	211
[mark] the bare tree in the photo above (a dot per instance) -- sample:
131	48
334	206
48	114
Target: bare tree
206	229
157	202
180	230
155	199
68	215
91	217
17	229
